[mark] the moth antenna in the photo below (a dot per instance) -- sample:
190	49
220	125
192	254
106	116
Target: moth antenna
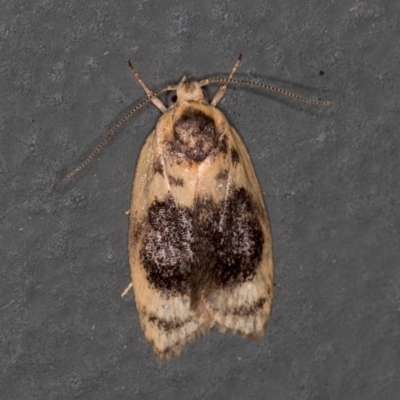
109	135
222	89
150	95
268	87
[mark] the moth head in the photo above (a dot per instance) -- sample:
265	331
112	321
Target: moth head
187	91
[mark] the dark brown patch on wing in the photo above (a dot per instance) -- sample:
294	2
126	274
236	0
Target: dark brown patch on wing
222	175
175	181
157	165
228	243
222	145
166	325
235	157
136	230
196	252
166	253
195	135
245	311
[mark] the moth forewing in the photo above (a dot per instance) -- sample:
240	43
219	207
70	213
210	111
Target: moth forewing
250	302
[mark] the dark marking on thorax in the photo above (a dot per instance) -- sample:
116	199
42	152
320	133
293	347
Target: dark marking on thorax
195	135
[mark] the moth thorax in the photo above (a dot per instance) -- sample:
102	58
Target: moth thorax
195	135
189	91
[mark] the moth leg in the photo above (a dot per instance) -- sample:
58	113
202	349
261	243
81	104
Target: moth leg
222	89
154	99
127	290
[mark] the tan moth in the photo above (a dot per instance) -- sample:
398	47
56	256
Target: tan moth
200	246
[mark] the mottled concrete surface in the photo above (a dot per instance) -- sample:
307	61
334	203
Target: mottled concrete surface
331	178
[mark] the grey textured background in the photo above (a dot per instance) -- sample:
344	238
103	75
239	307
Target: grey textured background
331	177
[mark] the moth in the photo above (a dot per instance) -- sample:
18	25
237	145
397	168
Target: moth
200	247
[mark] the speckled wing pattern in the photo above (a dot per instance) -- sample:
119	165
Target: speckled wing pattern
199	236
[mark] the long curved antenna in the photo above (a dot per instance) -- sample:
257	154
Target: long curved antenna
268	87
109	135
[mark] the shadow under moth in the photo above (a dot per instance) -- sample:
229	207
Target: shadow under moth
199	236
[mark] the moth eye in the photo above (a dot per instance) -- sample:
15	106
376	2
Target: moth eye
171	98
205	94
